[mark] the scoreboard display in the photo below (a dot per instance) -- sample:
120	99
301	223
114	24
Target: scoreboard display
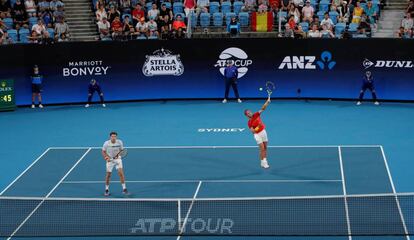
7	102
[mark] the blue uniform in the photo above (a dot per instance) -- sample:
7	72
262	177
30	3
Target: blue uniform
37	80
230	74
92	88
367	84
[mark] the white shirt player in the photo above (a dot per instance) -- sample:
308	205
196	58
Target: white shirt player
112	149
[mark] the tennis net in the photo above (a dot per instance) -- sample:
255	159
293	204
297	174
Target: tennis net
351	215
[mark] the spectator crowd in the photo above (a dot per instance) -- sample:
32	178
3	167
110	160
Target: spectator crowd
125	20
407	23
32	21
329	19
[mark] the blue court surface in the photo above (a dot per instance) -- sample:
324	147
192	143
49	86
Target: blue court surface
202	149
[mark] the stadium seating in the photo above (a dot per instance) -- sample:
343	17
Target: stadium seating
8	22
320	14
167	4
237	6
193	19
229	16
148	6
220	14
24	34
283	15
244	19
324	5
13	35
205	20
218	19
339	29
178	7
225	7
305	26
32	21
51	32
214	7
353	27
334	16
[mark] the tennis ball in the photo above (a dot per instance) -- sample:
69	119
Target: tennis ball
260	89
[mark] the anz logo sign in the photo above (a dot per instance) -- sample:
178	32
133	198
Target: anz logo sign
325	62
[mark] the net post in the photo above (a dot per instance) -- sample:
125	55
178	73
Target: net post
179	215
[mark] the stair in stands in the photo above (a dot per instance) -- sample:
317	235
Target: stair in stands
81	20
390	19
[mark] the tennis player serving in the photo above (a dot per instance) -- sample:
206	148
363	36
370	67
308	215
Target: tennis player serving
112	151
258	129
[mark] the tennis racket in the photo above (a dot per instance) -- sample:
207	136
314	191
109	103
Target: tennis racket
121	154
270	88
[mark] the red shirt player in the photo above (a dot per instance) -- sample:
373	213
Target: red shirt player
257	127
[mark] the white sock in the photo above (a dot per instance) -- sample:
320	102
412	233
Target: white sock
107	187
264	159
123	185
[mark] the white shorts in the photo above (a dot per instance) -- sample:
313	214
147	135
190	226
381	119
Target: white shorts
261	137
117	163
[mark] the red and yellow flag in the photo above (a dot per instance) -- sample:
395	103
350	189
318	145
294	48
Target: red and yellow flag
262	22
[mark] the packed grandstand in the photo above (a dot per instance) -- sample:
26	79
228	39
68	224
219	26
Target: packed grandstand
46	21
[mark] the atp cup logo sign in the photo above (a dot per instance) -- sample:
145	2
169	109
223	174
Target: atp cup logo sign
239	59
163	62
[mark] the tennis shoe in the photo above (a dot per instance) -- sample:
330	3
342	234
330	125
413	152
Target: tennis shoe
107	193
376	103
40	106
125	192
264	164
239	100
87	105
224	101
103	105
33	106
358	103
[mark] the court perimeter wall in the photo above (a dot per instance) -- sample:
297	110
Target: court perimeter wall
188	69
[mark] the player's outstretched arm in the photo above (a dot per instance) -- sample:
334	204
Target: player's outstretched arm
265	105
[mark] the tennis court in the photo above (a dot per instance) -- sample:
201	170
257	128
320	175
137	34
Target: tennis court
298	173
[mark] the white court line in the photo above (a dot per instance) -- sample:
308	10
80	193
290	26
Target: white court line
48	195
27	169
208	147
189	210
103	199
348	223
395	193
211	181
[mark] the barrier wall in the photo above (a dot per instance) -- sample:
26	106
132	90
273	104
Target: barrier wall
141	70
